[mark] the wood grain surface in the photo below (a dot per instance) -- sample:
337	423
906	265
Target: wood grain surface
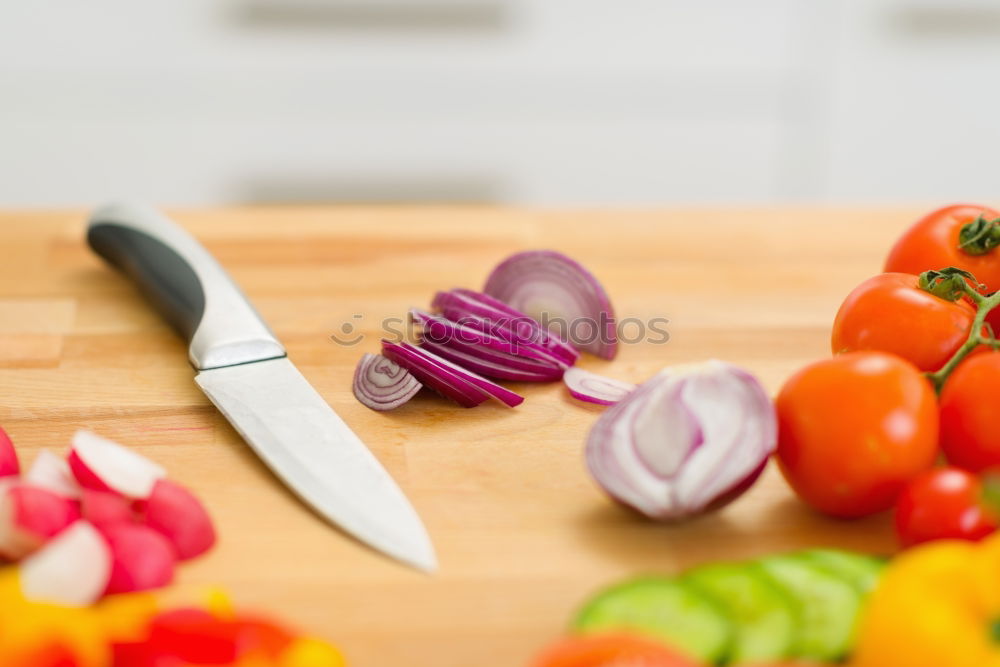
522	533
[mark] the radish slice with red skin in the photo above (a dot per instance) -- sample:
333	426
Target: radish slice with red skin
15	543
102	508
51	472
141	558
9	464
29	516
103	465
72	569
382	384
448	384
594	388
502	394
550	287
41	512
179	516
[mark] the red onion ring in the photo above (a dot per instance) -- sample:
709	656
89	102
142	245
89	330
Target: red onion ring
382	384
443	381
547	286
430	363
462	303
494	364
594	388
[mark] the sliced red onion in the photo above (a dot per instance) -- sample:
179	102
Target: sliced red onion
517	341
432	364
685	442
550	287
382	384
444	382
502	394
459	304
594	388
496	365
443	331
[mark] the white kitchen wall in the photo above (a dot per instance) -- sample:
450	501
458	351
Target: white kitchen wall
537	102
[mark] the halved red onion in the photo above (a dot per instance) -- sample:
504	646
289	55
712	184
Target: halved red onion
685	442
461	304
382	384
448	384
558	291
594	388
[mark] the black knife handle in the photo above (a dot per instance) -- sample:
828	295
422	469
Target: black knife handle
185	283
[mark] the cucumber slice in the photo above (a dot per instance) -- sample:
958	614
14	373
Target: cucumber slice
860	570
827	605
662	608
764	618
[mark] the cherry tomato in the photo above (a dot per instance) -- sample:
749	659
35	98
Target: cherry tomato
970	413
852	430
932	243
889	312
946	503
612	650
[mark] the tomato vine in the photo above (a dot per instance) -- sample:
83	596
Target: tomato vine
953	284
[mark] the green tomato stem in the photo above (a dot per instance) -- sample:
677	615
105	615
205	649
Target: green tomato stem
984	304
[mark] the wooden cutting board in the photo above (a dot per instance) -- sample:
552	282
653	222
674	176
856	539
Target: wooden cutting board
522	533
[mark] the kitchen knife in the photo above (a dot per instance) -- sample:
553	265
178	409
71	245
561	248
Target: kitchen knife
244	371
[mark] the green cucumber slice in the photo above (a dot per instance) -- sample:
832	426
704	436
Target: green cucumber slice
764	618
662	608
827	605
860	570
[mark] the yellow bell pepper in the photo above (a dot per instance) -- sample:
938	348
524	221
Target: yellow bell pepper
309	652
34	634
937	605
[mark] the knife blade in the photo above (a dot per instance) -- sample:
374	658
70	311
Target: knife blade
244	371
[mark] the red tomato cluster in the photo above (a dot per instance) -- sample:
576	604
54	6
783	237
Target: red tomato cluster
862	431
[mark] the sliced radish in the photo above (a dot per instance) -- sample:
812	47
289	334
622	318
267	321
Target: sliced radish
51	472
104	465
142	558
181	518
29	516
73	569
15	543
8	456
103	508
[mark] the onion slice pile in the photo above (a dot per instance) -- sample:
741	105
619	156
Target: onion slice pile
687	441
471	308
558	291
473	336
594	388
382	384
448	379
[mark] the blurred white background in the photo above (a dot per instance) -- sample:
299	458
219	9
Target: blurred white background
535	102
